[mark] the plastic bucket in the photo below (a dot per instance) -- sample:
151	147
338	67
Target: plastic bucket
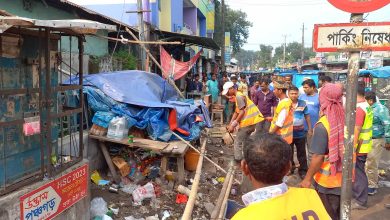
191	159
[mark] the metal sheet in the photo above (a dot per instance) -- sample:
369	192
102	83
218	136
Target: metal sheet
75	24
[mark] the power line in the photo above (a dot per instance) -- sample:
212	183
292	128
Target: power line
119	30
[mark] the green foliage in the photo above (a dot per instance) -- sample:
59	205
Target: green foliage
235	22
129	62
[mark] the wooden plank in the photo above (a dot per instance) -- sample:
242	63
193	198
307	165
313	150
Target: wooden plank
107	157
176	148
157	146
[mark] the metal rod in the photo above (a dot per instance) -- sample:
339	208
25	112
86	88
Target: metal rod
81	95
40	74
350	116
223	61
48	100
138	11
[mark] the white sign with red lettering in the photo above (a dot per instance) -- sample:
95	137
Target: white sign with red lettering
373	36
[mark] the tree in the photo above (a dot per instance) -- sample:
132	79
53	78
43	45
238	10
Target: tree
235	22
293	53
246	58
265	56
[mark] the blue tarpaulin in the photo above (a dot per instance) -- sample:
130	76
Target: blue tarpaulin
145	100
383	72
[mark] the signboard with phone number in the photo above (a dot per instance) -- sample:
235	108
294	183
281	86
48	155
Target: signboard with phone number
51	199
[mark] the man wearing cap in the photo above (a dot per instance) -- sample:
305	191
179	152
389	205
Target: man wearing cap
282	122
245	118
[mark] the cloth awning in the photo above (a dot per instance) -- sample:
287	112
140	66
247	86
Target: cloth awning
204	42
78	25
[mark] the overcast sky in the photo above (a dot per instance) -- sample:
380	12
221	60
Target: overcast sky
274	18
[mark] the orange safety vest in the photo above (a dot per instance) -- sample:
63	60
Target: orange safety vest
286	131
252	114
324	177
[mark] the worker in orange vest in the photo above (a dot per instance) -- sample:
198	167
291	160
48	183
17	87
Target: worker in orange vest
326	162
282	122
245	118
266	162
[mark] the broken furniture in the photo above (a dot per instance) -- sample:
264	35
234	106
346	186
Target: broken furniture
175	149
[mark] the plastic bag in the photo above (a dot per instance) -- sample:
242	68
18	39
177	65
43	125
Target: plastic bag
117	128
98	207
143	192
103	118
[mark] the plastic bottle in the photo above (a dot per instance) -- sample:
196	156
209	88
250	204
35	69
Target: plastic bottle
117	129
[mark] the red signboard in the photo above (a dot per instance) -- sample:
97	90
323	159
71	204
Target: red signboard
371	36
359	6
51	199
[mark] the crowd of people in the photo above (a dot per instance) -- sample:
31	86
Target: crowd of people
274	114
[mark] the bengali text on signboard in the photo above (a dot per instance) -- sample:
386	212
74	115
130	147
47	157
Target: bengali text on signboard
373	36
56	196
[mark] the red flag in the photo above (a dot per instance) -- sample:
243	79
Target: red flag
175	68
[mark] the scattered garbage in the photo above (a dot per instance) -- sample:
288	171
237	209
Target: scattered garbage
383	183
117	129
166	215
214	181
95	177
114	209
209	207
221	179
153	217
181	198
98	207
122	165
114	188
129	188
106	217
143	192
132	218
103	182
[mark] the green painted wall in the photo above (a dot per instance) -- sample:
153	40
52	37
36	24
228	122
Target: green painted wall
93	45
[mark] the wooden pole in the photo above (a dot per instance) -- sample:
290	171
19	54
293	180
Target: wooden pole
221	196
156	62
350	115
194	190
211	161
225	198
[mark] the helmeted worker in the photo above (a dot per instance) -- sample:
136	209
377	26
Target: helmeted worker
245	117
326	162
282	122
266	162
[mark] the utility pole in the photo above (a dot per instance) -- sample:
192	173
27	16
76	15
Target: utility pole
284	50
303	43
223	38
141	32
350	115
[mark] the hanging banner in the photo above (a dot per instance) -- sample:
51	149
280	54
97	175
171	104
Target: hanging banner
371	36
175	68
51	199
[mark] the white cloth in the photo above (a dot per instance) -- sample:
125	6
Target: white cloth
262	194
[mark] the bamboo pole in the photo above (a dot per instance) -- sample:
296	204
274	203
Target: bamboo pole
194	190
211	161
225	198
155	61
221	196
127	41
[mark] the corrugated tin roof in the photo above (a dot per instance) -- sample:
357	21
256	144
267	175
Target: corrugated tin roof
78	25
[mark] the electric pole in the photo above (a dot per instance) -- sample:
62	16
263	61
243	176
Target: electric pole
223	38
350	115
141	33
303	43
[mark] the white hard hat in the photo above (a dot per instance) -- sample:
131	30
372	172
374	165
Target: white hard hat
226	87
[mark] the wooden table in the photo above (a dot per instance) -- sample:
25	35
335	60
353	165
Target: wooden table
176	149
